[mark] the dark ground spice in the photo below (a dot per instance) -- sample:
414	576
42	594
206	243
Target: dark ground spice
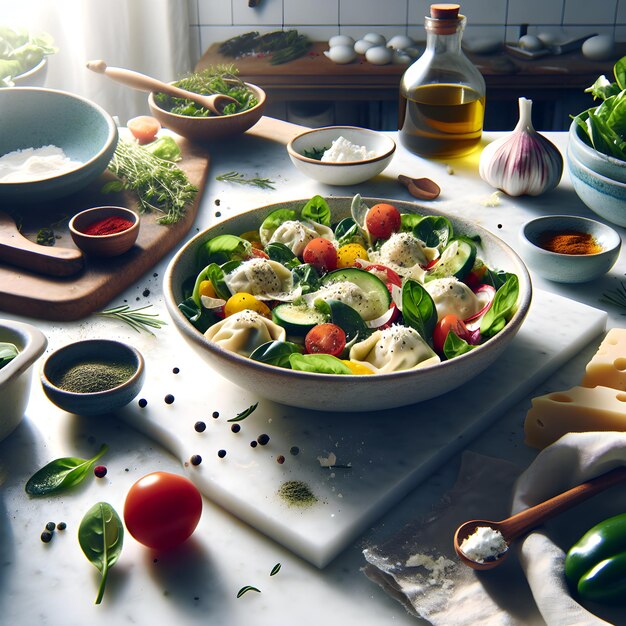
94	376
297	493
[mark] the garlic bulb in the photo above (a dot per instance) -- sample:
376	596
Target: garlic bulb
523	162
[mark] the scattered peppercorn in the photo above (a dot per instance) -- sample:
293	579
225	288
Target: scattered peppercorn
169	398
235	428
215	414
196	459
221	453
253	444
199	427
176	370
217	201
146	293
100	471
263	439
218	214
61	526
50	526
142	403
499	225
280	459
294	450
46	536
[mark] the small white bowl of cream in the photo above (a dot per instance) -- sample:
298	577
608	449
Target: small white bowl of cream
341	155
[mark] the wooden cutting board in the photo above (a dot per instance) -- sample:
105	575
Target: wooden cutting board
74	297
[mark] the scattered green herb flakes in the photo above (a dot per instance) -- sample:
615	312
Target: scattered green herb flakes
236	177
137	319
8	351
275	569
242	416
297	493
94	376
101	537
61	474
246	589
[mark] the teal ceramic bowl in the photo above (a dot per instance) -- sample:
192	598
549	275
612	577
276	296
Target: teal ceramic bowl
569	268
81	352
32	117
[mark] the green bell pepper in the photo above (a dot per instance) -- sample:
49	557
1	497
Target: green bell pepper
595	566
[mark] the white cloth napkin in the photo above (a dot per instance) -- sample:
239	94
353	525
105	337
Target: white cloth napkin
503	596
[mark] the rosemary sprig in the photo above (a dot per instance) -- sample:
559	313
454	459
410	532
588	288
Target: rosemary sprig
236	177
246	589
242	416
135	318
616	297
160	185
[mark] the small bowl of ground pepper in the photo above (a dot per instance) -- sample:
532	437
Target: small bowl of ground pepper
569	249
93	377
105	231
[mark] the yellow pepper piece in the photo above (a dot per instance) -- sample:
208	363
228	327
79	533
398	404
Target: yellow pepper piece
207	289
242	301
348	254
358	369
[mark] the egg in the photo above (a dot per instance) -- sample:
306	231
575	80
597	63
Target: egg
599	48
341	54
379	55
531	43
548	39
376	39
400	42
400	58
340	40
362	46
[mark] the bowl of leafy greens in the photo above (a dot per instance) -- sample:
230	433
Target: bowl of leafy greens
23	57
196	123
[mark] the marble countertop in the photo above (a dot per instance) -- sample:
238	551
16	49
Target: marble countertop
53	584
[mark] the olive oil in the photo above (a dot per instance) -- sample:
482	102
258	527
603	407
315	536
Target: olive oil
441	120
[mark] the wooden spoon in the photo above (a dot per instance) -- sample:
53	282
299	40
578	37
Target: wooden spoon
525	521
214	102
421	188
50	260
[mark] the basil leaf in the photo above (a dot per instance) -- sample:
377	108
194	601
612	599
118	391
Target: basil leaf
320	363
408	221
307	277
199	317
345	317
495	278
348	231
8	351
61	474
619	71
418	309
275	353
455	346
434	231
603	88
273	221
502	308
317	210
223	248
101	536
282	254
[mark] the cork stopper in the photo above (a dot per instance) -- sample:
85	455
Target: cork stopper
445	11
444	18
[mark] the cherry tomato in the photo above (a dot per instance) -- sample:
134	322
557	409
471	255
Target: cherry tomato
444	326
144	128
162	510
207	289
348	254
321	254
258	253
382	220
325	339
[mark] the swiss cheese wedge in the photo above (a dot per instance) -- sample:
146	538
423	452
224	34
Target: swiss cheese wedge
608	366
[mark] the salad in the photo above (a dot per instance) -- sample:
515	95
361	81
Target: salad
20	51
377	292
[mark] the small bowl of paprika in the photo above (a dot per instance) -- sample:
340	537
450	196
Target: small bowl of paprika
105	231
569	249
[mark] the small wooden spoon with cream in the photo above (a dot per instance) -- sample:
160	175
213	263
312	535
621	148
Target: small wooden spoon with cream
421	188
523	522
214	102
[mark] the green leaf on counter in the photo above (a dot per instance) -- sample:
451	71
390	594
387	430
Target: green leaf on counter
275	569
236	177
101	537
242	416
246	589
61	474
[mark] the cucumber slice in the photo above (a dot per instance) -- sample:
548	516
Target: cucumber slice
377	296
297	319
457	259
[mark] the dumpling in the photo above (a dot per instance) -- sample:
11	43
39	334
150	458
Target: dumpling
368	306
394	349
451	296
244	332
296	234
262	278
405	254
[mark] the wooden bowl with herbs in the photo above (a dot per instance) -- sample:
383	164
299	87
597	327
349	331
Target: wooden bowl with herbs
93	377
197	123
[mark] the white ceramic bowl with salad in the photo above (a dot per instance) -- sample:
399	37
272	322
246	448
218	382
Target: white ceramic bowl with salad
197	283
364	153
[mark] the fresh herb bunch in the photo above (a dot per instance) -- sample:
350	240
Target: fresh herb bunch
137	319
160	185
221	79
236	177
283	45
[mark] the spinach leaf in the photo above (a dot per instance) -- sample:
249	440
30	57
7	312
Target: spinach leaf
223	248
8	351
280	252
214	273
495	278
408	221
320	363
307	277
345	317
101	536
619	71
317	210
455	346
348	231
603	89
61	474
274	220
501	309
434	231
418	309
276	353
199	317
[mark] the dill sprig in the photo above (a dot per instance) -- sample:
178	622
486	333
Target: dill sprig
616	297
160	185
135	318
236	177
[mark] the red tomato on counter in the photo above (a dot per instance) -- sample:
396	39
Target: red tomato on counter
162	510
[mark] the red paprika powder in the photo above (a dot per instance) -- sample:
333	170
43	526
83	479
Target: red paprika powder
108	226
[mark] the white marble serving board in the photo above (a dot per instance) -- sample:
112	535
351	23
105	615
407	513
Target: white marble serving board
388	452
